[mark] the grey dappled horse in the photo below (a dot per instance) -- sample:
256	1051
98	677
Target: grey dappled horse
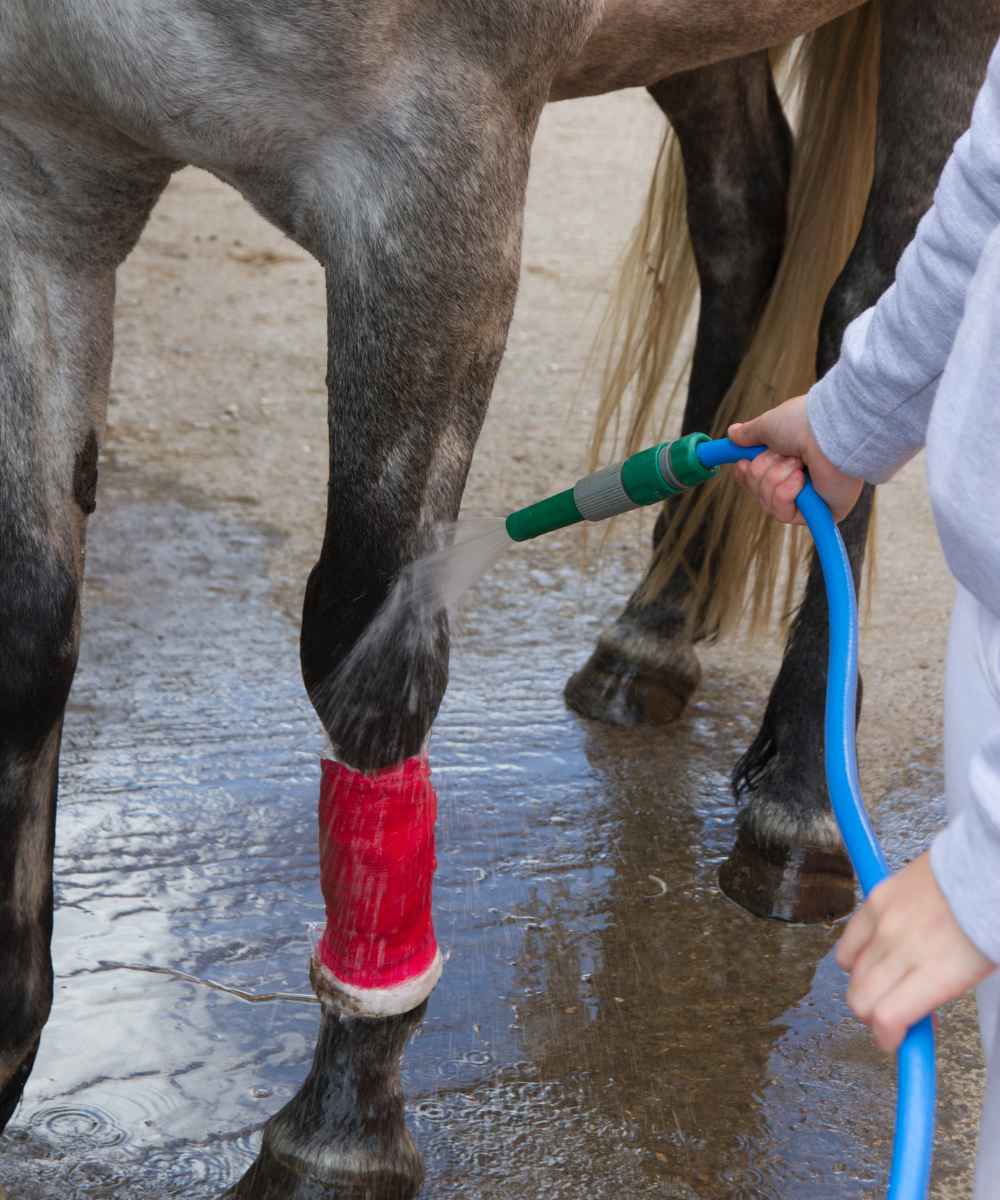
391	139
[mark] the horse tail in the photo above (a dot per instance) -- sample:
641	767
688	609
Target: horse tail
828	82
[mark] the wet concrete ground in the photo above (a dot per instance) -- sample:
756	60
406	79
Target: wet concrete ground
608	1024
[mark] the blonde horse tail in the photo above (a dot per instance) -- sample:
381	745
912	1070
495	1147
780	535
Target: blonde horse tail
648	314
828	81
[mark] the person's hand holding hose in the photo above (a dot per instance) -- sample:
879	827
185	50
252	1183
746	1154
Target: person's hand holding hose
776	477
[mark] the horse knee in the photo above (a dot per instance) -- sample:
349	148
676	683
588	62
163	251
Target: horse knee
39	600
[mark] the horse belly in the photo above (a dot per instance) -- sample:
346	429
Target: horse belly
641	42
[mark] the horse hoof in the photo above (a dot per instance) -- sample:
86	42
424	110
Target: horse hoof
398	1178
804	884
634	678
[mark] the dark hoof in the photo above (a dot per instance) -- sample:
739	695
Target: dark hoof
10	1096
788	883
271	1179
622	683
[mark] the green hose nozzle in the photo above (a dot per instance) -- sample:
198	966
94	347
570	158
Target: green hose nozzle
650	475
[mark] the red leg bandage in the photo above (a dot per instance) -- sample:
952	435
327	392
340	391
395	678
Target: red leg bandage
378	954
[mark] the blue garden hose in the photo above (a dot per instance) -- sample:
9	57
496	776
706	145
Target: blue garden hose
913	1146
668	470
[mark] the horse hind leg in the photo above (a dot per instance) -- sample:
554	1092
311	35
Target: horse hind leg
788	861
59	246
736	147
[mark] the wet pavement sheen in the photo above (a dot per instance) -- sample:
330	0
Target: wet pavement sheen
608	1024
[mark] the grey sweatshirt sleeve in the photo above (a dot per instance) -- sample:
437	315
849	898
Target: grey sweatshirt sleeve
869	413
963	469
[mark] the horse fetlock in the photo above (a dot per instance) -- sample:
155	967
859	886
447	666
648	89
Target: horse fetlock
344	1134
372	728
774	822
15	1068
24	1009
352	1166
376	668
635	676
271	1178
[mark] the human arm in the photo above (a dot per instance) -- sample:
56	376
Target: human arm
869	413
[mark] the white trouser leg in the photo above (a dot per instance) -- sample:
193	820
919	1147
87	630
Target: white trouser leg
971	715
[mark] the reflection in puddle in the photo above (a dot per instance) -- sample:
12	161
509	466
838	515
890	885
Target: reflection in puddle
608	1024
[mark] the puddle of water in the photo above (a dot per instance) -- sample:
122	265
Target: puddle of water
608	1024
186	838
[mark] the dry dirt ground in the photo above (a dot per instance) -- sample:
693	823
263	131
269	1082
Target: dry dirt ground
218	393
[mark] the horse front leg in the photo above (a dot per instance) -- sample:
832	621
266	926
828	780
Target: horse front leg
420	235
737	152
788	861
65	224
